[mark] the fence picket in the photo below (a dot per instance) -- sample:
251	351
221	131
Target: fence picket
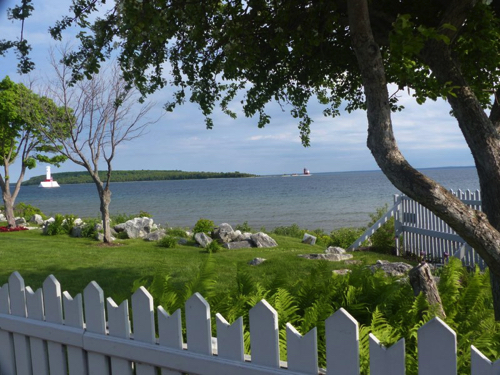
119	326
144	324
342	344
73	317
170	332
437	349
34	303
93	297
481	365
386	361
264	335
302	351
53	314
7	357
198	328
18	308
230	339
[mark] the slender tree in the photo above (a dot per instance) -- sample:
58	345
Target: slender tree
21	137
103	114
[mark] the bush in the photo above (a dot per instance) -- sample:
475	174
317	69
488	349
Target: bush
27	211
88	229
56	227
177	232
244	227
344	237
213	247
168	242
68	223
204	226
121	218
290	231
383	238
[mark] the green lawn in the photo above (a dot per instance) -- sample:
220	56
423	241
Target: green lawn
77	261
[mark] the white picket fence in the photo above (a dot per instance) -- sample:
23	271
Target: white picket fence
44	332
418	229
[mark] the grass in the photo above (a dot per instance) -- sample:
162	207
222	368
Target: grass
77	261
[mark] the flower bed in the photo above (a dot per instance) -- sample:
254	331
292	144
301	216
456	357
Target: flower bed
15	229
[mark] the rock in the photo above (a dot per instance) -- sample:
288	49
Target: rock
392	269
256	261
2	217
309	239
262	240
202	239
76	231
49	220
98	227
78	222
138	227
330	257
247	236
335	250
155	236
36	219
20	222
235	235
113	232
237	245
182	241
342	272
224	233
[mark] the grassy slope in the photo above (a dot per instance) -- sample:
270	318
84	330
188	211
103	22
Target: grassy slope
75	261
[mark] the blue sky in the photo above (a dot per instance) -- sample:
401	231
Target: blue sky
427	135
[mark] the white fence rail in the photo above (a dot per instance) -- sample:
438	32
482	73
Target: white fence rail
418	229
44	332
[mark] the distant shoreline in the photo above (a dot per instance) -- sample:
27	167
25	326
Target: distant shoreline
70	178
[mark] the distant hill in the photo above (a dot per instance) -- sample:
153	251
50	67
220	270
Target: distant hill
142	175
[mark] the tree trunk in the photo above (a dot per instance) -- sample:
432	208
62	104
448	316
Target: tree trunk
422	281
105	197
9	209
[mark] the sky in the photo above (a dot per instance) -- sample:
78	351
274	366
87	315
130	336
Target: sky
426	134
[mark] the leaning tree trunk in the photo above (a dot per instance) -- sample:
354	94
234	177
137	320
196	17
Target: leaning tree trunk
482	137
8	201
105	197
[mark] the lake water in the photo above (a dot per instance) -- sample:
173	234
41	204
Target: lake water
323	200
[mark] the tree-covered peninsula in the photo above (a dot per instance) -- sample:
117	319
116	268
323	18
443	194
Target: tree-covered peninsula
142	175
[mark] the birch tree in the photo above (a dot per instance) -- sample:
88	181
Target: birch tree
103	114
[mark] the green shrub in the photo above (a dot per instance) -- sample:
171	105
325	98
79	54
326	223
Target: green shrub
88	228
204	226
145	214
213	247
290	231
244	227
168	242
56	227
344	237
383	238
177	232
68	223
27	211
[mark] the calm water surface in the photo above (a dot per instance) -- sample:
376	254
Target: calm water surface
324	200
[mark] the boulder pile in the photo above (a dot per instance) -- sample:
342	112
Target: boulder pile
333	254
235	239
138	227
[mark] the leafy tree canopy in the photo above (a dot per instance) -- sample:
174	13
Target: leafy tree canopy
22	113
286	51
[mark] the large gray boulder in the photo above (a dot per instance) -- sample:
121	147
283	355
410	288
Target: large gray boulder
263	240
2	217
224	233
334	250
309	239
392	269
20	222
237	245
138	227
36	219
155	236
202	239
244	236
329	257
